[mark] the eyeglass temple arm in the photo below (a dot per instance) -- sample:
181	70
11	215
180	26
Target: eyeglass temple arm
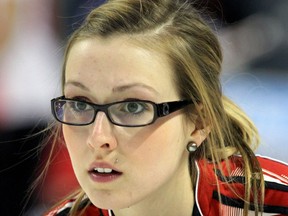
164	109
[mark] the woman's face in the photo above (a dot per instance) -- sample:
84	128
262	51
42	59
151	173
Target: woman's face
148	162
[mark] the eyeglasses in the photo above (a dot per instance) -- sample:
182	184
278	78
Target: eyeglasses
128	113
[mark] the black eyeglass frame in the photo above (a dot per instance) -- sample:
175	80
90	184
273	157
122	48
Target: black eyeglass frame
160	110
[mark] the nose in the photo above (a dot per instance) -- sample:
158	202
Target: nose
101	135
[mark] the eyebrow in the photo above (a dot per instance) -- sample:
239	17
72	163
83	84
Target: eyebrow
77	84
115	89
133	85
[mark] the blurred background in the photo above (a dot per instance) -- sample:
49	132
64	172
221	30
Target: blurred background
253	34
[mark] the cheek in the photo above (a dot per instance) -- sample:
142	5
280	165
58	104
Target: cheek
160	151
167	138
75	143
159	161
69	137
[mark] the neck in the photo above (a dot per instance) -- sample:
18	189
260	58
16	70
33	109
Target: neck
176	197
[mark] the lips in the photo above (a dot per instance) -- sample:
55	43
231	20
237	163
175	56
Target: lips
103	172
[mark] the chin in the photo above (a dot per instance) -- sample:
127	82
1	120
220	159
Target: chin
110	203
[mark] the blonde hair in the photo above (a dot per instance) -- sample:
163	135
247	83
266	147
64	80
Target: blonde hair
176	29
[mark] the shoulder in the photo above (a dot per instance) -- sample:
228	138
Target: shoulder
210	179
276	184
274	170
64	208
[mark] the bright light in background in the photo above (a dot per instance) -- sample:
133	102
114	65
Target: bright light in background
264	97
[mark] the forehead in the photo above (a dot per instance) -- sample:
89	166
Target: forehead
117	61
117	49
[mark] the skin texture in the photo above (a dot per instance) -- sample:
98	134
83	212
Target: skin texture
153	159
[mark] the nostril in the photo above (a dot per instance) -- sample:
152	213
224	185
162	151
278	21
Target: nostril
106	145
96	144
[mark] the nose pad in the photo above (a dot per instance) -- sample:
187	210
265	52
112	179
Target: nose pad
101	134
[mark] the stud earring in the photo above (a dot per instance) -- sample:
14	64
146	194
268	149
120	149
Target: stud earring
191	147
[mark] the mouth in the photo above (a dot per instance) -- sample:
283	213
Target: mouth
103	171
102	175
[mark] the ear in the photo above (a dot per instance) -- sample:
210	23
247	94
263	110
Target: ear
201	129
199	135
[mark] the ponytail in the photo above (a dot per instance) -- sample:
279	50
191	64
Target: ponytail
246	139
241	125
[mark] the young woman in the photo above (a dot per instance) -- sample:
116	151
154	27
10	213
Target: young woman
146	125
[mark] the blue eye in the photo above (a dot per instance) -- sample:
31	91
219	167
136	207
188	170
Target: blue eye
78	106
133	107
